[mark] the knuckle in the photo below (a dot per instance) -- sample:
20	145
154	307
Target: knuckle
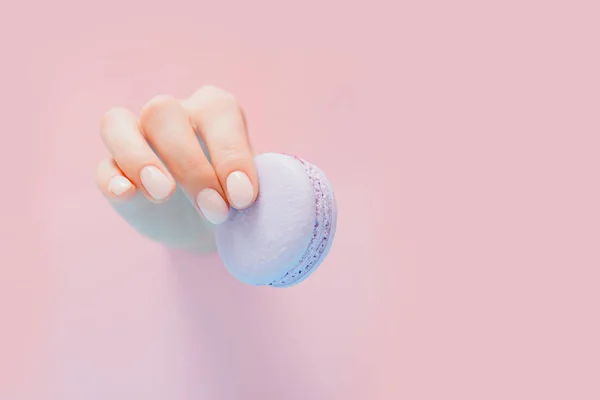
113	115
230	150
105	164
102	170
159	101
232	158
214	97
193	169
156	106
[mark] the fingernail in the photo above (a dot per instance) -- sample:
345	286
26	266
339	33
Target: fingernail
156	182
240	189
119	185
212	205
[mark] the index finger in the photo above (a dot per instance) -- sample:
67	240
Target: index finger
218	119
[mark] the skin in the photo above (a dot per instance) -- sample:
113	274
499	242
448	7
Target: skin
165	135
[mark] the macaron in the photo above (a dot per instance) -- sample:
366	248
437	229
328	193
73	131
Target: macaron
283	237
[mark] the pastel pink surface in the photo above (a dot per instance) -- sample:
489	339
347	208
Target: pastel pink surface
463	141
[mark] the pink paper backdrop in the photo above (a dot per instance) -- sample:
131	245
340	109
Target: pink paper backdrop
462	139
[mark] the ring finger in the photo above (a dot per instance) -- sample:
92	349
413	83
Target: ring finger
167	127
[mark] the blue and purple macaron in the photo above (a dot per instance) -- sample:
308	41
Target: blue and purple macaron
287	233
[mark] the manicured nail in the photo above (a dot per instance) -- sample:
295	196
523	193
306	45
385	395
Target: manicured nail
239	188
156	182
212	205
119	185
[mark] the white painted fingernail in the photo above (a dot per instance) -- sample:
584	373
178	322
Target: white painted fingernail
119	185
156	182
239	188
212	205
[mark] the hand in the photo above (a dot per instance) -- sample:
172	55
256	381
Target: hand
173	173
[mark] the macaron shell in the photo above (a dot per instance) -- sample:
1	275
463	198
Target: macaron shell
332	231
260	244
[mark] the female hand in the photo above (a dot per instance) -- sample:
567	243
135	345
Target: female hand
173	172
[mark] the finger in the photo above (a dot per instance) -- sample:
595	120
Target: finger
112	182
166	126
133	155
217	117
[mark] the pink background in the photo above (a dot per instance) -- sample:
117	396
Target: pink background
462	139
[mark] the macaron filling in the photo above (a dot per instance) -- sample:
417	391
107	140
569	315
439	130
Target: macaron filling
321	229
